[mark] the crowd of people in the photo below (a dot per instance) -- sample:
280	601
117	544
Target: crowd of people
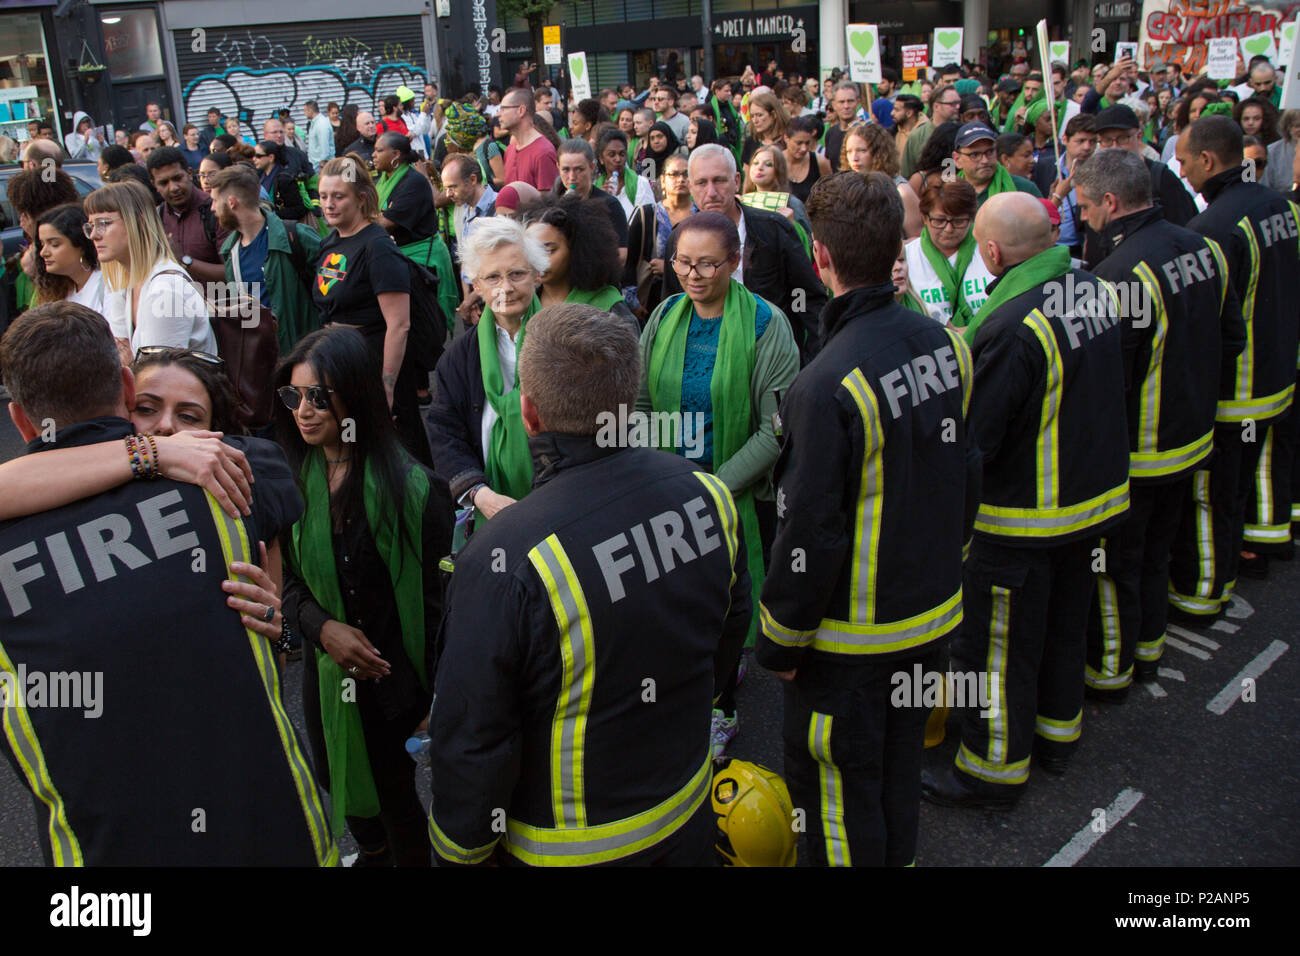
918	354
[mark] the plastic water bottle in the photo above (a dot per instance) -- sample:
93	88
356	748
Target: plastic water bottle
418	748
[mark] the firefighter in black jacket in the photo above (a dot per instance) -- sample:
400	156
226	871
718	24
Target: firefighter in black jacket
877	493
1256	228
1117	128
589	626
1182	332
185	756
1048	416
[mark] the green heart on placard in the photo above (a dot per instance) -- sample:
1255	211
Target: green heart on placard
1257	45
862	41
1059	50
1288	31
947	38
577	68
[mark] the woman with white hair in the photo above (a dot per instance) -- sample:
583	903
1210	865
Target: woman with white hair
479	444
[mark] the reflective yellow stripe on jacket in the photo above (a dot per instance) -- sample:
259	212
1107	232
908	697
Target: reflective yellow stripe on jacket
578	678
584	846
235	547
64	847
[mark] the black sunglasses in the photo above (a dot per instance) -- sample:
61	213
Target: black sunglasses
318	395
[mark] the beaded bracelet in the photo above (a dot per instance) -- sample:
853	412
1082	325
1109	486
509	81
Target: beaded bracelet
142	452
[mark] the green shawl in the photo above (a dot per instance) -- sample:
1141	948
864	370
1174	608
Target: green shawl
951	276
1000	183
506	462
729	389
352	787
387	182
630	183
432	253
739	145
605	298
1049	264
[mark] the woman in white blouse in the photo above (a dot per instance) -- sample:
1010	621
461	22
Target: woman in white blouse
67	266
151	299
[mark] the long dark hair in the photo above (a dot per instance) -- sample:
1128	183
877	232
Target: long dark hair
346	134
213	378
593	244
342	362
68	220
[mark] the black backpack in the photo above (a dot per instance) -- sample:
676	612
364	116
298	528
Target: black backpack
428	323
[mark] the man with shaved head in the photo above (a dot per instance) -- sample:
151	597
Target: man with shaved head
1048	415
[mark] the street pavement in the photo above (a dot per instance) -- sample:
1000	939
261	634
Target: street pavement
1185	773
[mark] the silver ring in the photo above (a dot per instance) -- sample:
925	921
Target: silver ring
269	616
353	670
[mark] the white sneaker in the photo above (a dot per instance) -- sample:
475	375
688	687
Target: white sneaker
724	729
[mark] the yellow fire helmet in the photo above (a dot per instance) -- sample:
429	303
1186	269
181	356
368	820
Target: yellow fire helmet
754	815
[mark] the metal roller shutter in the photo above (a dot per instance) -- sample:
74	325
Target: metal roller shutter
255	71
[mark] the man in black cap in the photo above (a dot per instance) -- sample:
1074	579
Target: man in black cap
1117	128
976	156
1007	91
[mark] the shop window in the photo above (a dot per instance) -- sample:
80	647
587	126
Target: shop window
608	11
131	43
24	77
673	8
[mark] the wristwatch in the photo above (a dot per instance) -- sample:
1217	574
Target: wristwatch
187	261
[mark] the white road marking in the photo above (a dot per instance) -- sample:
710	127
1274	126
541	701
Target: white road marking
1087	838
1194	638
1239	608
1225	627
1252	671
1170	673
1186	648
1155	689
350	859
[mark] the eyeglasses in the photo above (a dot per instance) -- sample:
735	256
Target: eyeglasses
980	155
704	269
171	352
1110	142
514	277
953	103
676	174
97	227
292	396
942	222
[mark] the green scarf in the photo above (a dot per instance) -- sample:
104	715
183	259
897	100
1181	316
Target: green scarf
1000	183
910	301
506	462
1019	279
951	276
605	298
388	181
629	183
739	146
1009	124
352	787
432	253
729	387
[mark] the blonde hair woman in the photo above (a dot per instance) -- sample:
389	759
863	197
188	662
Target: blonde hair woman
150	300
767	186
869	148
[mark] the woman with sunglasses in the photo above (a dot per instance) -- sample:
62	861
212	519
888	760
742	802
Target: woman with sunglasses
67	266
362	280
583	249
150	300
186	402
944	266
720	356
475	428
362	588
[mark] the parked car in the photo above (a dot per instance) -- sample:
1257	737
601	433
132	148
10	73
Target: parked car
84	174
